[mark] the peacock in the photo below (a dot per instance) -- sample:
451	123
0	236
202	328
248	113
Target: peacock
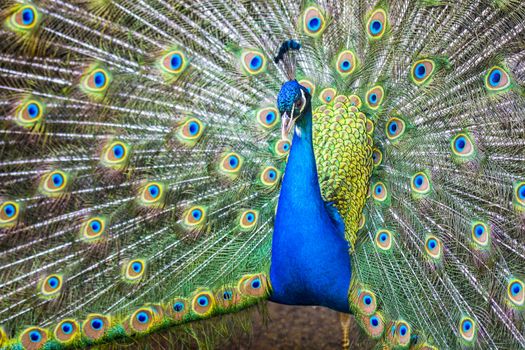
164	162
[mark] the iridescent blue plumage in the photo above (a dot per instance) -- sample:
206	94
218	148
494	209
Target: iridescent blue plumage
290	94
310	261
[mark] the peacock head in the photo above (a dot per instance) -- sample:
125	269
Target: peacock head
291	103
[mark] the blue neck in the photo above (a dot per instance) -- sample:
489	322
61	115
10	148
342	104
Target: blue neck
310	258
301	180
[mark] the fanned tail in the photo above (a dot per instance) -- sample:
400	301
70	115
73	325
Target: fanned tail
442	249
140	167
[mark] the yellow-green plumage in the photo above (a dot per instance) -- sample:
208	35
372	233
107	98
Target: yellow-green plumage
343	155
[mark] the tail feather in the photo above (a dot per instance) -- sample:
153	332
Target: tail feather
463	277
127	183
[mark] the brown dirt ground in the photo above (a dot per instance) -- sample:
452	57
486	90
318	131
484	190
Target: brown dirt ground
299	327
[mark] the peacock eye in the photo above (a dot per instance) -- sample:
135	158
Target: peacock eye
313	21
299	104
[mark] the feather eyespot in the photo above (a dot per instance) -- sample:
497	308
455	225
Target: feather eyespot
327	95
373	325
313	22
433	247
480	233
374	97
379	192
383	239
9	213
516	292
346	63
268	117
118	151
93	229
96	81
142	320
231	165
377	23
497	79
24	19
462	146
67	330
193	129
421	71
178	309
270	176
253	285
134	270
308	85
203	303
519	195
115	155
249	220
152	194
366	302
253	62
173	62
30	113
282	148
195	217
403	333
190	131
153	191
51	285
33	338
95	326
54	183
227	297
377	157
143	317
420	183
395	128
178	306
467	329
27	17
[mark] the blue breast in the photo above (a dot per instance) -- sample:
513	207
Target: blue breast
310	262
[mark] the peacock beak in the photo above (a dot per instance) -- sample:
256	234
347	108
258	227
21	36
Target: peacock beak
287	124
